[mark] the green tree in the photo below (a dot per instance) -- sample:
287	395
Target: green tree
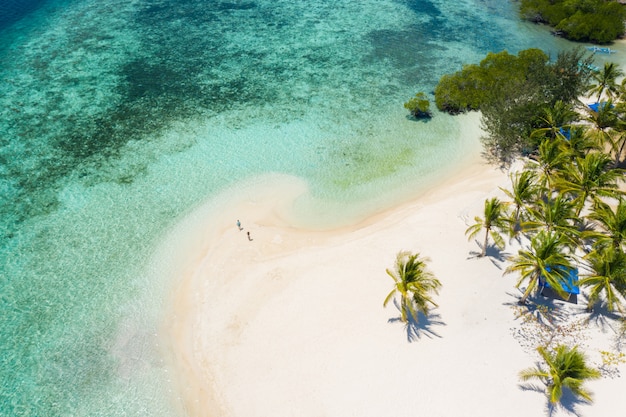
579	143
617	141
613	223
511	93
569	76
603	122
600	21
545	260
590	178
606	81
523	193
551	157
414	284
493	223
418	106
554	121
608	276
604	118
553	214
564	368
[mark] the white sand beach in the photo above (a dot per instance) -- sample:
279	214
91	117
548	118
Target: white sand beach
292	322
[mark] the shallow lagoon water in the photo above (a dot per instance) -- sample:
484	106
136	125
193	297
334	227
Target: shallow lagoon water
120	117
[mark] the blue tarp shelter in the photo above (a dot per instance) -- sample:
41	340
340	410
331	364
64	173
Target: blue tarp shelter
569	285
596	106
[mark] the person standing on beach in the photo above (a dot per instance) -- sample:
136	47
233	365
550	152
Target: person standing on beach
249	238
239	225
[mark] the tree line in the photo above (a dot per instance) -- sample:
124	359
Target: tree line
599	21
566	208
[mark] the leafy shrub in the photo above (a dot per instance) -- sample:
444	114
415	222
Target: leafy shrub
419	106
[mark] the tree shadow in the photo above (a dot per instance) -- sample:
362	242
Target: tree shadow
600	315
496	255
526	386
544	310
419	119
568	402
423	326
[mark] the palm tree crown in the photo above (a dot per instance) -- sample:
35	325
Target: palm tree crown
523	192
606	80
494	221
554	119
553	215
608	276
550	159
414	283
613	222
545	260
590	177
566	368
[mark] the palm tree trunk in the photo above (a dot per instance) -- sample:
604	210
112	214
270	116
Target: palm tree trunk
582	204
403	308
531	284
618	154
485	243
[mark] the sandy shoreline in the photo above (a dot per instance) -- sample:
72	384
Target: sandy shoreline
292	324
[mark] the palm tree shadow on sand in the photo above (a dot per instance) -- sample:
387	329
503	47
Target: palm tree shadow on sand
423	326
496	255
568	402
600	315
543	309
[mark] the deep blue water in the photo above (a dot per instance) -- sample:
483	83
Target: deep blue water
13	10
119	117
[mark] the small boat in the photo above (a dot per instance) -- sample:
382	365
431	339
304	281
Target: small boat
601	50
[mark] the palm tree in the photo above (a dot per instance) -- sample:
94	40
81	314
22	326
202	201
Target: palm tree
580	142
523	192
554	119
545	261
616	139
603	119
551	157
608	276
590	177
494	222
606	80
553	214
612	221
414	283
566	368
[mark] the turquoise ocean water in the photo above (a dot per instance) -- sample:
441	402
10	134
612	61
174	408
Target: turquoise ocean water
119	117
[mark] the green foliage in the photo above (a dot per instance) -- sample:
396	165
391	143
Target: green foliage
607	276
613	222
419	106
414	284
495	220
512	92
589	177
566	368
605	80
475	85
597	21
545	259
